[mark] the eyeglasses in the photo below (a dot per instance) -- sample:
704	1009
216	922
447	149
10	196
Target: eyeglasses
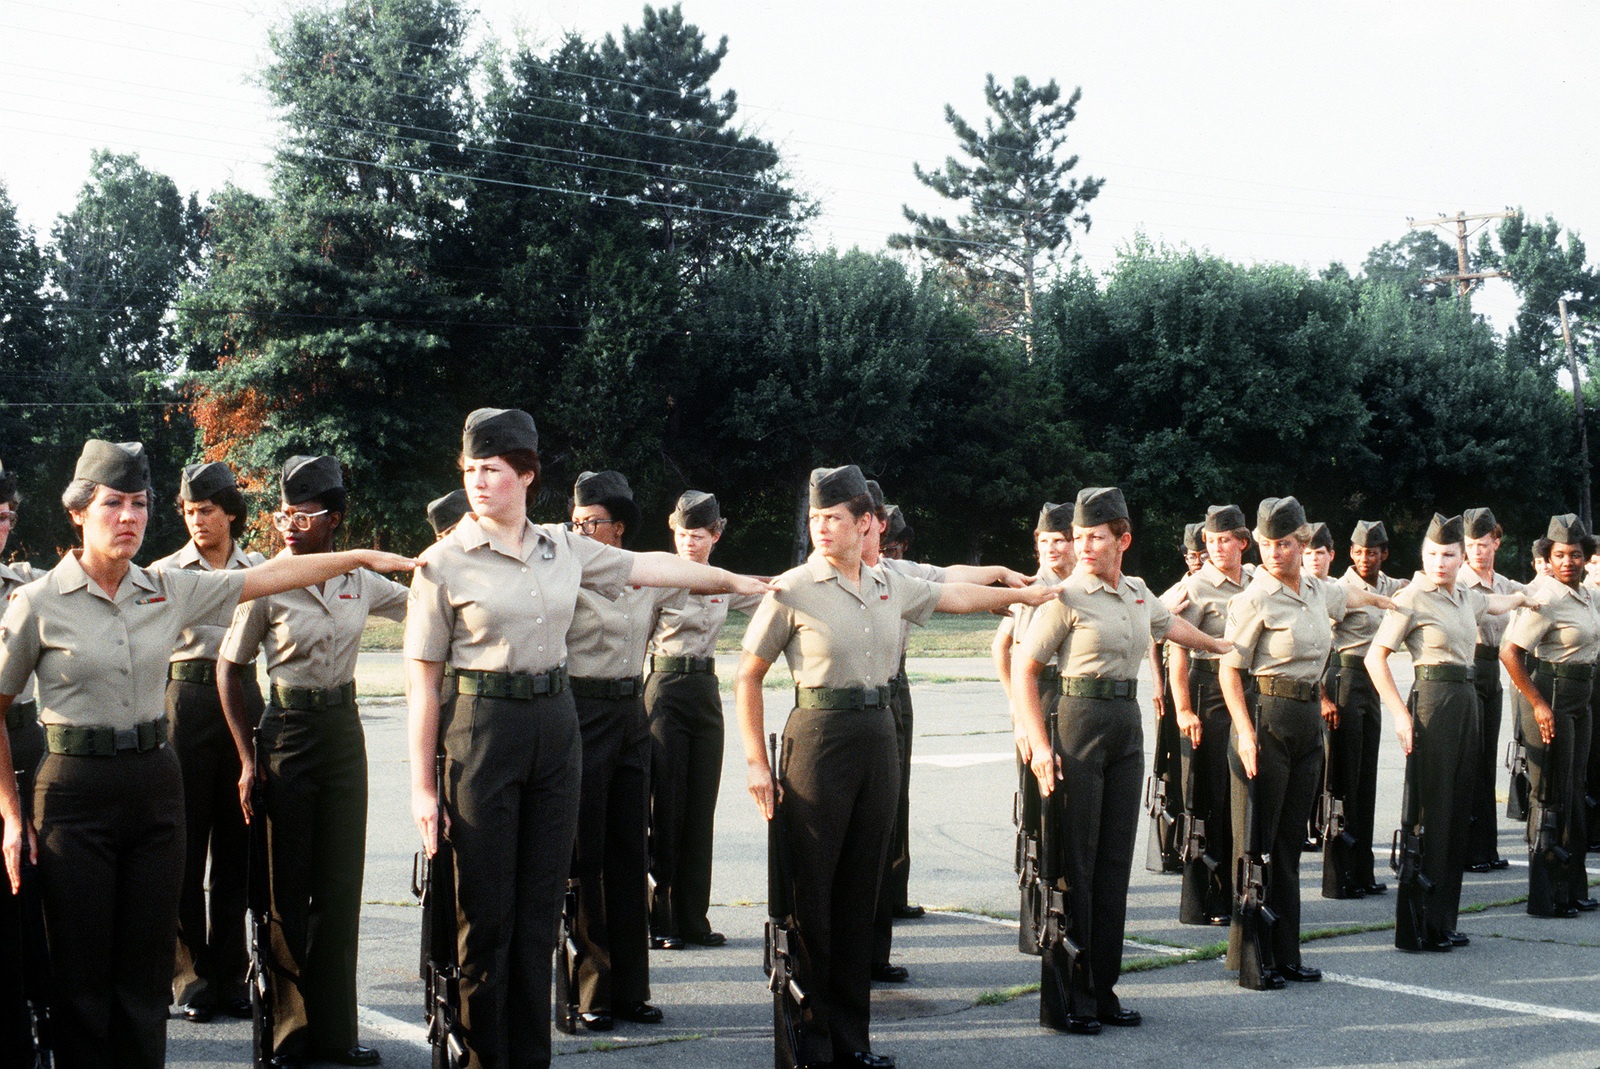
588	527
8	516
300	521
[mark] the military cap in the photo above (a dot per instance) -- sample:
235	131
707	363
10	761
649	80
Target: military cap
1369	533
1478	523
445	512
1097	505
1445	530
835	486
898	529
1194	540
1567	529
1321	536
493	432
1056	518
120	465
610	490
695	509
1279	517
307	477
1221	519
202	482
875	492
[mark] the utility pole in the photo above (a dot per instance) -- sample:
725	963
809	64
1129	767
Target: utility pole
1585	511
1465	280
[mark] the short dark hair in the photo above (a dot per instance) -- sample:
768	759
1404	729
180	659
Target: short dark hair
1119	526
1541	548
1545	546
334	499
230	501
861	505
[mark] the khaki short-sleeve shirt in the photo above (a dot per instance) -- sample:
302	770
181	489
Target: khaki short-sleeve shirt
1014	624
608	635
1493	628
1277	632
687	625
1564	627
831	633
1434	625
201	643
1209	592
475	605
1094	629
1353	634
916	570
311	637
102	661
13	577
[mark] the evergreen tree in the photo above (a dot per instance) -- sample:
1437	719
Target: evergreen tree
1022	201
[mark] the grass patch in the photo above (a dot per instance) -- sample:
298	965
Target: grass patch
606	1046
1005	995
1209	952
381	634
1347	929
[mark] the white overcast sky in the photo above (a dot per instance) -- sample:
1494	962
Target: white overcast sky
1276	131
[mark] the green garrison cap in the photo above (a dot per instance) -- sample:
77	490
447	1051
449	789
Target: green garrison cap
898	527
1097	505
835	486
493	432
1220	519
202	482
1194	538
1056	518
306	477
1369	533
875	492
1566	528
1445	530
1478	523
696	508
1321	536
1279	517
120	465
445	512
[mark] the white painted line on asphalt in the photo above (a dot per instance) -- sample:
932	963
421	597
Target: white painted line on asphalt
963	760
1555	1013
393	1027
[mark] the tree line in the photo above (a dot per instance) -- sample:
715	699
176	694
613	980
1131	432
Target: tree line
586	230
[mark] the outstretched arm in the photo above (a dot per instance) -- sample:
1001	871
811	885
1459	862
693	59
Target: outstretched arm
289	572
961	598
669	569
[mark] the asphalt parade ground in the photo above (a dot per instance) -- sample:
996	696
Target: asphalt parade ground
1525	993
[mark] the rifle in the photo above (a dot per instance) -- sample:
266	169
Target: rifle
1549	889
567	961
258	898
1060	955
1337	842
1200	884
1405	857
433	881
1520	790
35	963
1025	815
782	936
1163	852
1257	966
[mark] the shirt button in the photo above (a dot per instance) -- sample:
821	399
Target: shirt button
538	619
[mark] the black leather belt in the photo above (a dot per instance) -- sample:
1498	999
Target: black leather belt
75	741
1485	652
1209	665
661	662
1096	687
1578	670
313	698
1446	673
841	697
21	714
1280	687
1352	660
611	689
205	672
518	685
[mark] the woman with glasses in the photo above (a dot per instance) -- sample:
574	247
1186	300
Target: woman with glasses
315	771
492	610
97	633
